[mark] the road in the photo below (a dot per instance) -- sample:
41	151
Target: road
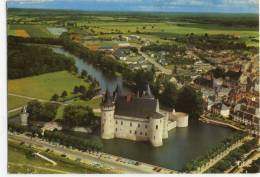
87	157
42	100
157	65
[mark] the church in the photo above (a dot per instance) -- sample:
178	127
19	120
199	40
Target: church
137	118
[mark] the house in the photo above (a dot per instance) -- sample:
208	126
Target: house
220	109
122	53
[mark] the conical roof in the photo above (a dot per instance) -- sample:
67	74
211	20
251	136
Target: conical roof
107	99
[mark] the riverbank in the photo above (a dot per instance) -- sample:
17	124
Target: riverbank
216	122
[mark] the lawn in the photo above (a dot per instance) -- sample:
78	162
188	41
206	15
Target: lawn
32	30
45	85
19	162
15	102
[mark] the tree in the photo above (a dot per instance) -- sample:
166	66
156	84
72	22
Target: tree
83	73
82	89
34	108
76	90
41	112
55	97
190	102
64	94
169	94
49	112
78	115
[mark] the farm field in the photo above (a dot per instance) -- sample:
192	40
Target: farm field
45	85
30	30
19	161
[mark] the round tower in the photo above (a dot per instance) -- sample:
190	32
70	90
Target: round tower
107	117
24	117
182	119
156	131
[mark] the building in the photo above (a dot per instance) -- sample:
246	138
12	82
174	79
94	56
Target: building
220	109
247	113
137	118
122	53
24	117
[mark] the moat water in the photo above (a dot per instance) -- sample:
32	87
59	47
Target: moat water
183	144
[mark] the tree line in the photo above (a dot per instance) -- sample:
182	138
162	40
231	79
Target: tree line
82	143
29	60
214	152
233	157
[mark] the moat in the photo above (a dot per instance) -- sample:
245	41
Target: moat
183	144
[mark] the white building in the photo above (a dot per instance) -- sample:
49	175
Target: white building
24	117
137	118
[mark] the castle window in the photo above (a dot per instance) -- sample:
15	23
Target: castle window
145	134
116	129
145	126
141	133
116	121
130	131
138	125
121	122
156	127
135	132
131	124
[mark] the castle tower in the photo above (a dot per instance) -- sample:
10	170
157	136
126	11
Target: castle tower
156	131
107	117
24	117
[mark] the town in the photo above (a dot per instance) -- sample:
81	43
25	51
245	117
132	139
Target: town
110	92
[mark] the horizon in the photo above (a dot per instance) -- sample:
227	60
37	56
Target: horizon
160	6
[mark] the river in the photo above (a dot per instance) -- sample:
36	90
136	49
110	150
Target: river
105	82
183	144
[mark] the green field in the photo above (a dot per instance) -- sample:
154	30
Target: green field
45	85
32	30
19	162
15	102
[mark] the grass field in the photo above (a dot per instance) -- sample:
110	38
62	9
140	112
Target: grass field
32	30
15	102
19	162
45	85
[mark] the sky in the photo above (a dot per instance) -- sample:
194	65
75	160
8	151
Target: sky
221	6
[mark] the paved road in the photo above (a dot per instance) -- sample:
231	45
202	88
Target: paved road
157	65
75	154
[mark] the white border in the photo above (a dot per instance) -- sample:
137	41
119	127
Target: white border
3	91
3	109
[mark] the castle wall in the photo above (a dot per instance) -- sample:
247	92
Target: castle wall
171	125
135	129
165	126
